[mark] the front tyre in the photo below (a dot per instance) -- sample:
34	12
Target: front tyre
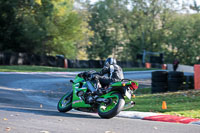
112	109
65	103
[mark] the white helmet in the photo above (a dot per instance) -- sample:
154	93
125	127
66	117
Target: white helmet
110	61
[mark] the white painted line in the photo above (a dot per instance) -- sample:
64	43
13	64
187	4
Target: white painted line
196	122
136	114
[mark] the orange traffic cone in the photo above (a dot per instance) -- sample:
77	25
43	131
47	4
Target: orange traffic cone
164	66
164	105
148	65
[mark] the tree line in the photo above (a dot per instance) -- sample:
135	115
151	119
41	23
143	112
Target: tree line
83	30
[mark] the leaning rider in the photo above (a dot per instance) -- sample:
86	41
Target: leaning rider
114	73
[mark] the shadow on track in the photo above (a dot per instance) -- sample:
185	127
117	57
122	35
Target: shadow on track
48	112
16	101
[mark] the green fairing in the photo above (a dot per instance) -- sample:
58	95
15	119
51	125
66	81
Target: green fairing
108	95
117	84
78	79
76	101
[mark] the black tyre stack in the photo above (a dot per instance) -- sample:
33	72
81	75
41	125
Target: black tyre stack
159	81
175	81
188	82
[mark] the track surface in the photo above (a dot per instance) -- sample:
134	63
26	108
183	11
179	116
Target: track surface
28	104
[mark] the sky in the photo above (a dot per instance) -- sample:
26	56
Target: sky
180	1
189	1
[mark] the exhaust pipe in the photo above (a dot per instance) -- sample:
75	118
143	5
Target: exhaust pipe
129	105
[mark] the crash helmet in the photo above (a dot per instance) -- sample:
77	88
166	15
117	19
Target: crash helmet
110	61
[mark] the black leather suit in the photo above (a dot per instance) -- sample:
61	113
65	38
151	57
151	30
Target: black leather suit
114	74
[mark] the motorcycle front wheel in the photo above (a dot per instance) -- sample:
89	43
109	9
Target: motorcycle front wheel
65	103
113	108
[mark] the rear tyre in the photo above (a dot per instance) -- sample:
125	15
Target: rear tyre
112	109
65	103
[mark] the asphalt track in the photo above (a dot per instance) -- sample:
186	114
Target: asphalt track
28	104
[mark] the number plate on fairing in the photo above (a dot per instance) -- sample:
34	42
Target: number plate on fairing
128	94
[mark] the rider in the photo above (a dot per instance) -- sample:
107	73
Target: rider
113	71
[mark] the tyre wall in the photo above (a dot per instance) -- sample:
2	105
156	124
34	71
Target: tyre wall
159	81
163	81
11	58
175	81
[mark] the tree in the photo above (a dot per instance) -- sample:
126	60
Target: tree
145	26
195	7
65	29
22	26
41	27
108	30
123	29
183	39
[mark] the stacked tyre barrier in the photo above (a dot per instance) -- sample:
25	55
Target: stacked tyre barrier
163	81
188	82
175	81
159	81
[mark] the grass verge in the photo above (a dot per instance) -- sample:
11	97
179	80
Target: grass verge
25	68
182	103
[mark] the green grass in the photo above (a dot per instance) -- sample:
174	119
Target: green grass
141	91
25	68
182	103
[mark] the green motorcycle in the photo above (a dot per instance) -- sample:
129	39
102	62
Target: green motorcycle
108	102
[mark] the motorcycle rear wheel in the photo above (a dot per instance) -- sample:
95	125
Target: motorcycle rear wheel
112	109
65	103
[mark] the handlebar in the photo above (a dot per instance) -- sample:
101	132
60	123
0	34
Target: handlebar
89	75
